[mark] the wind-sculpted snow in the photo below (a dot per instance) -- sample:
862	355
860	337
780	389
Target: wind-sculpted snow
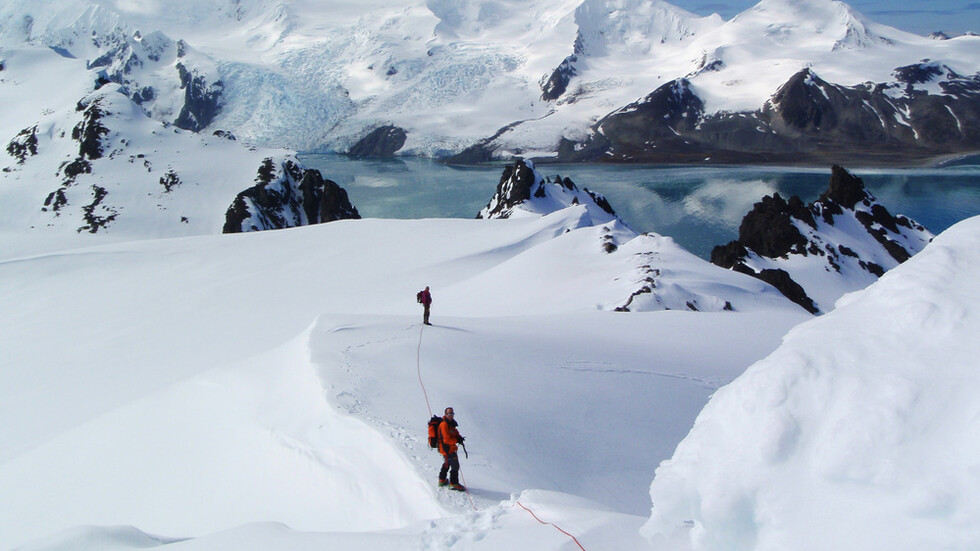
859	420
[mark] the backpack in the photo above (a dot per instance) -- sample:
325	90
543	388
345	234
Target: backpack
418	297
434	431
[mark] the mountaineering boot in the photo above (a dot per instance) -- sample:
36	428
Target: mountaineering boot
457	487
443	482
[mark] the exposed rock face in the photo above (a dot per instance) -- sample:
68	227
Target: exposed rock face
24	144
557	84
845	236
286	196
664	117
202	100
513	189
807	119
383	141
522	188
89	133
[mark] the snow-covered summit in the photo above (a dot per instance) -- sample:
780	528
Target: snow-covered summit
821	24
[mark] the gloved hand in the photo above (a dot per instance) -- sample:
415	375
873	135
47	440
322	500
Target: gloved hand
462	439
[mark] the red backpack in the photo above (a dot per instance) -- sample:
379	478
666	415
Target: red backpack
434	431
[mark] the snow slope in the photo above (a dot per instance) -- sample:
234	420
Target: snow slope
857	433
230	386
270	389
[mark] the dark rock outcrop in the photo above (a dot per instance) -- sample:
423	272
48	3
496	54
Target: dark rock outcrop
287	196
96	214
202	100
557	83
513	189
383	141
776	230
24	144
89	133
521	186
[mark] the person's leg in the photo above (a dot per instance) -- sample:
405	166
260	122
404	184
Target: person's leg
453	461
443	471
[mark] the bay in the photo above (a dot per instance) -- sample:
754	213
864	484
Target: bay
698	206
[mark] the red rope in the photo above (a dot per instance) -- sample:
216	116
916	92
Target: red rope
418	368
556	527
473	503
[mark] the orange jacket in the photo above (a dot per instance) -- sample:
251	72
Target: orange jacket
449	437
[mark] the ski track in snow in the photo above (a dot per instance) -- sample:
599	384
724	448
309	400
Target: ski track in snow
710	383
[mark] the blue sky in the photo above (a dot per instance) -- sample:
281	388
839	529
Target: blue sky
917	16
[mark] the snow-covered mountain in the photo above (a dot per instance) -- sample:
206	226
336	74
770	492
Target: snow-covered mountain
579	79
816	253
96	162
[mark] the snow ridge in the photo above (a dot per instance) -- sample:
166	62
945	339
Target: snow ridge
852	413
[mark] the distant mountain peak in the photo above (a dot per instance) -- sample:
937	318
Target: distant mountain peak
841	25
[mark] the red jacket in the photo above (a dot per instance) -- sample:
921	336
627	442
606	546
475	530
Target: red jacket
449	436
424	297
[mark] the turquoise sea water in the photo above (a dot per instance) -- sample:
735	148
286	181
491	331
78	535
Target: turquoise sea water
698	206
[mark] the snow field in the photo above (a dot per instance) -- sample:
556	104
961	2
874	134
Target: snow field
218	388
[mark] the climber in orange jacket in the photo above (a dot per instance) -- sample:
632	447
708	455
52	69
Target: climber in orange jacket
449	439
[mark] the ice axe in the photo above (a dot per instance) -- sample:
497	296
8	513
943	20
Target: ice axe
465	453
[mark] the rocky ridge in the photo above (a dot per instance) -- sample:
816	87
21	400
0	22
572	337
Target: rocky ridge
814	253
286	195
522	189
808	119
655	272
